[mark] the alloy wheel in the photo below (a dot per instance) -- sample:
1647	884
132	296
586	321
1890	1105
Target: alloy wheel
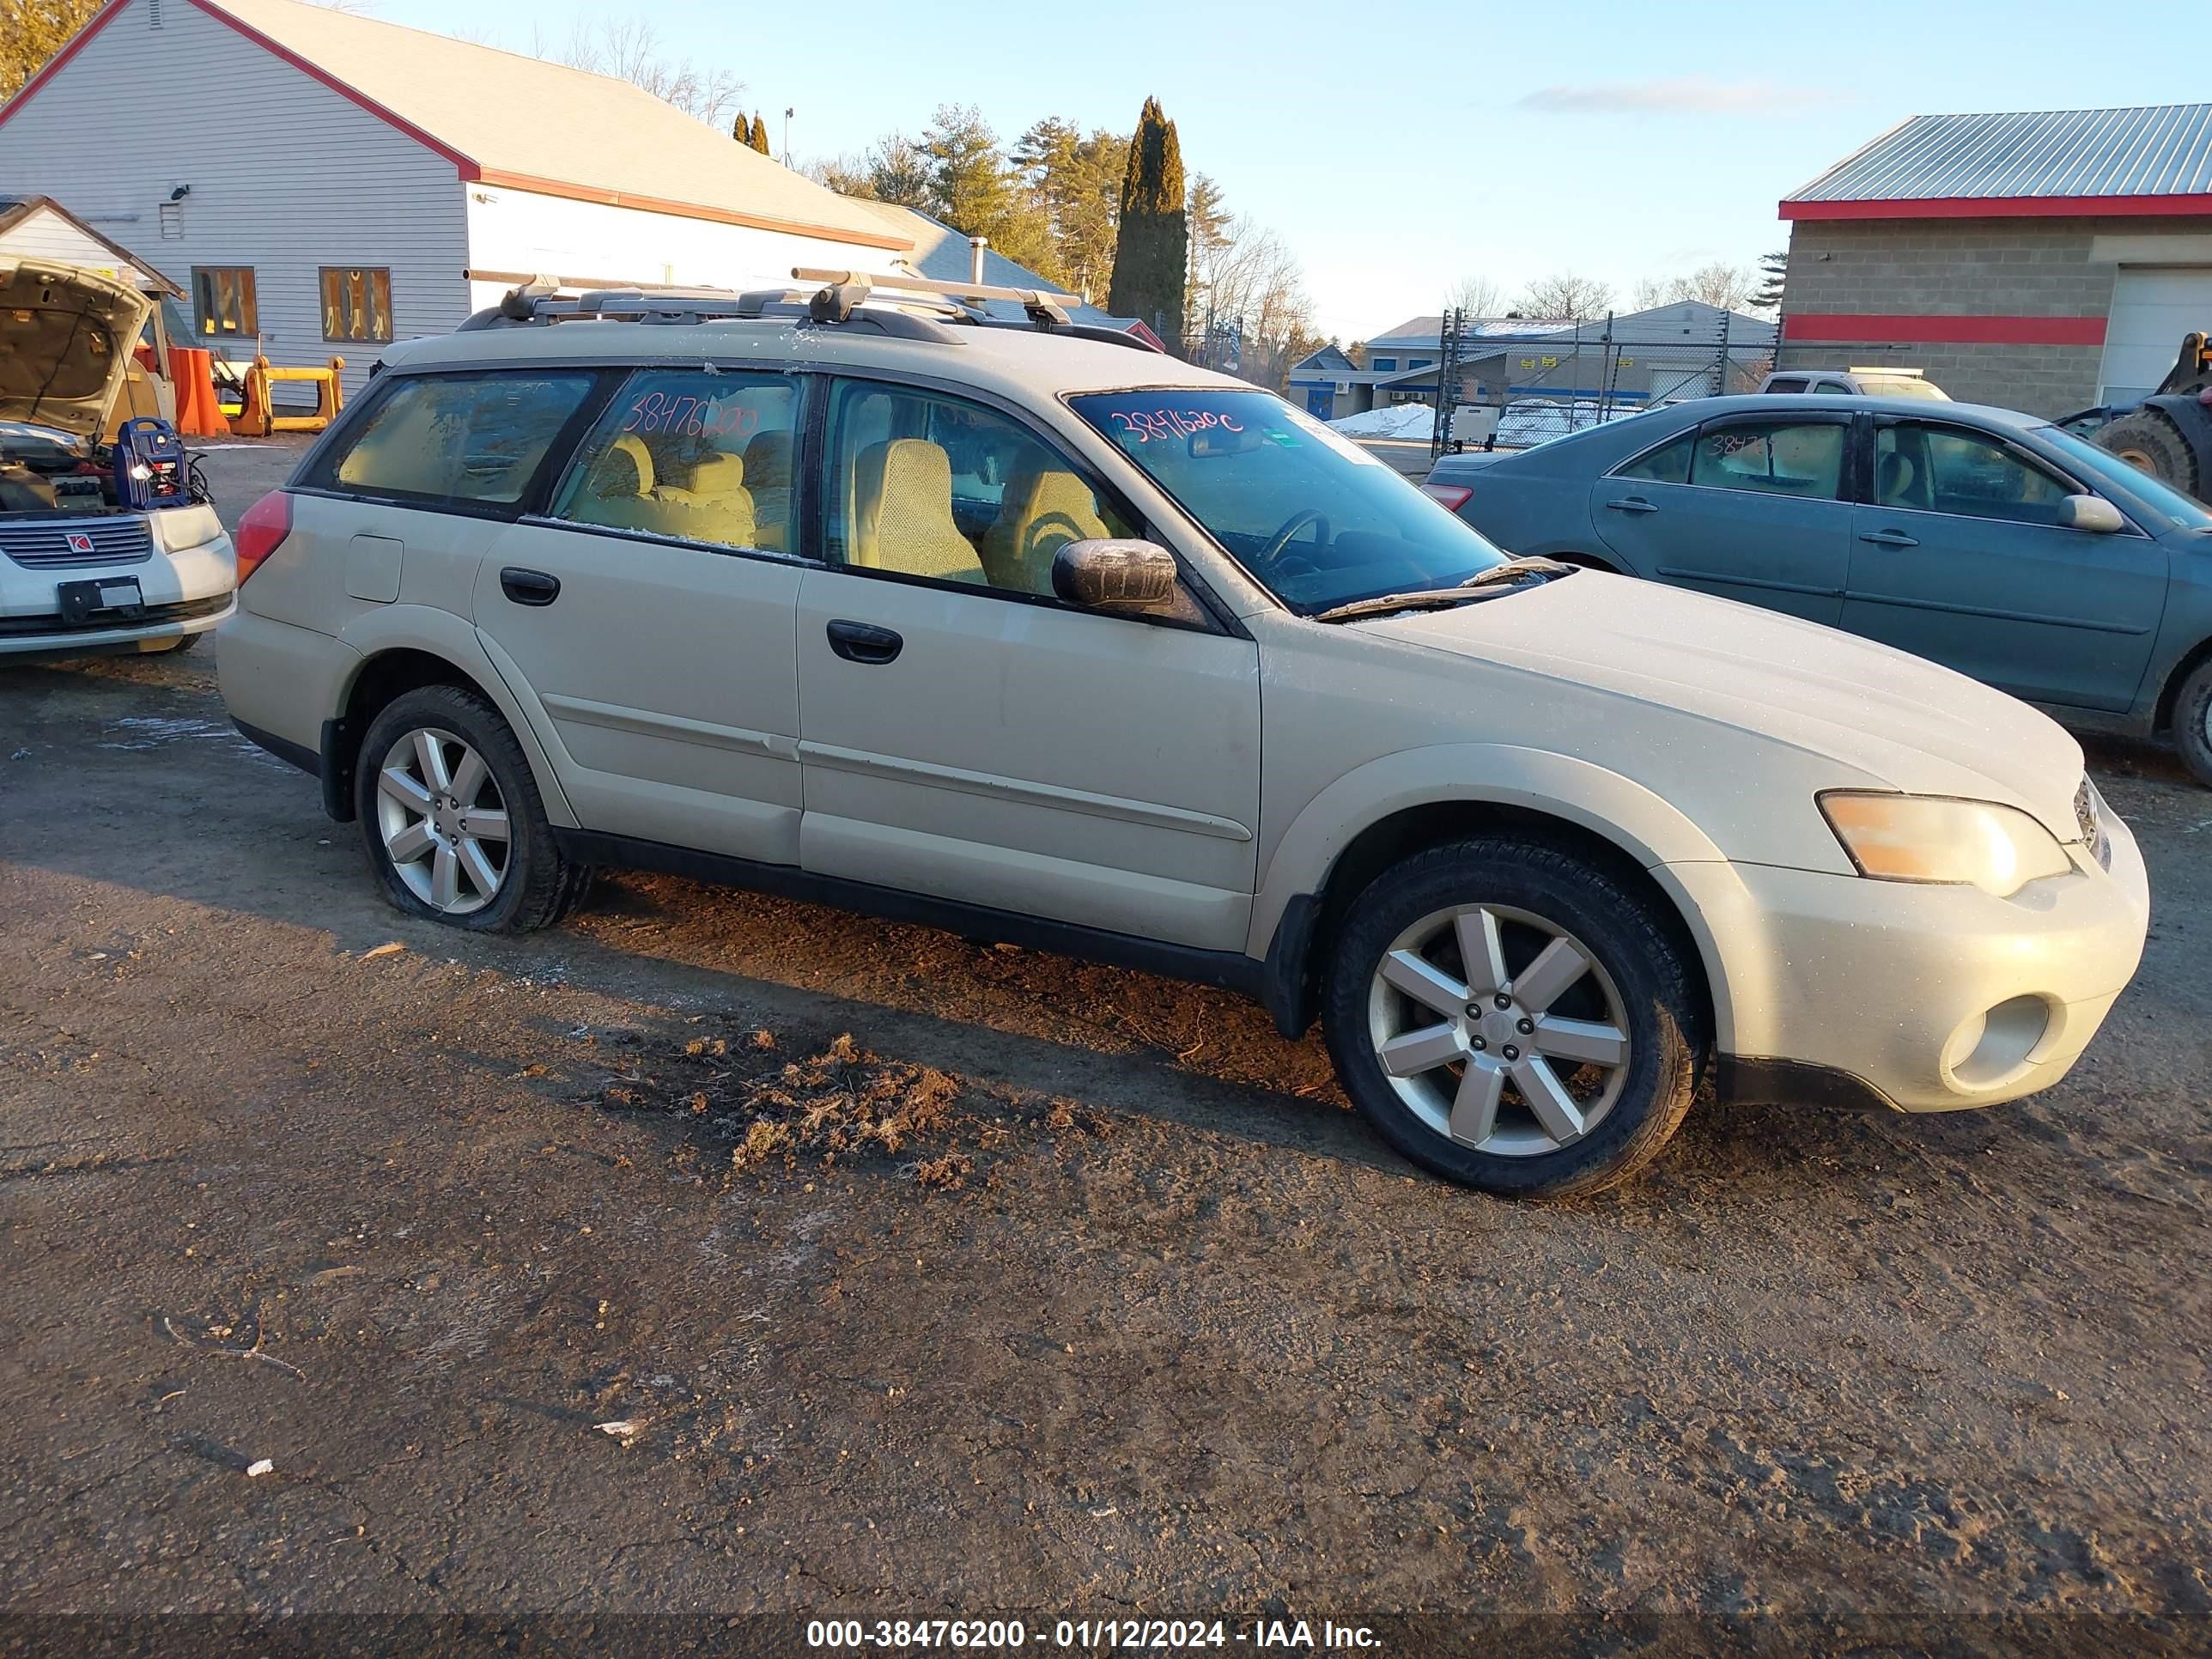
443	821
1500	1029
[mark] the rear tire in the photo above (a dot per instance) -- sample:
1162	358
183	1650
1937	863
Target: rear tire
2192	723
452	819
1516	1076
2149	440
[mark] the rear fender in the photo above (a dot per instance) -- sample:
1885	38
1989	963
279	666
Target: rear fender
455	639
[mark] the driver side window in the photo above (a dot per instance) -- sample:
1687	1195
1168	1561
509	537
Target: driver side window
927	485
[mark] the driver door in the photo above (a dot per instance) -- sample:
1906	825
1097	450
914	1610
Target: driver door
965	734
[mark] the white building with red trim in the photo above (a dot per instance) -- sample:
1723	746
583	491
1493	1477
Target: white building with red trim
330	181
2044	260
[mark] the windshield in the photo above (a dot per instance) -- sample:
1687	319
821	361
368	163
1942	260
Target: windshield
2179	511
1316	520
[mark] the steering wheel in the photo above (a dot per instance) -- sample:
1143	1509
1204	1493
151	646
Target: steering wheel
1297	521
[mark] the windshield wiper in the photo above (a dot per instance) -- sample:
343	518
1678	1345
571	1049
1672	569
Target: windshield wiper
1513	570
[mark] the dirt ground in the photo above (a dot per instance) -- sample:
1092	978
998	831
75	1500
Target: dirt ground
735	1261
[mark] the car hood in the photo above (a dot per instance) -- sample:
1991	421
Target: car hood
65	340
1888	715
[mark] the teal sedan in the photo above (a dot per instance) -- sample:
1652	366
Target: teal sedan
1983	539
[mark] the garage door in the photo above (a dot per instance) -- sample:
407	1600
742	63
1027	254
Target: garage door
2152	309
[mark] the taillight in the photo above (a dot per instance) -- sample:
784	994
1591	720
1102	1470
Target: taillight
261	532
1454	496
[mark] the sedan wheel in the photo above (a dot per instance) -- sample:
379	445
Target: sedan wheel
1499	1029
443	821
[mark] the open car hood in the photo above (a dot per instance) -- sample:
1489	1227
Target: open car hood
65	340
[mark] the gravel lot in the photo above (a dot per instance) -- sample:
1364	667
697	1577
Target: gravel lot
1082	1294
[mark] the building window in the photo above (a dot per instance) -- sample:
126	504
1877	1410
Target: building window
223	299
1419	363
1381	362
356	302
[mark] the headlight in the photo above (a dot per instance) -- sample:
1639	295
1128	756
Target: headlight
1970	843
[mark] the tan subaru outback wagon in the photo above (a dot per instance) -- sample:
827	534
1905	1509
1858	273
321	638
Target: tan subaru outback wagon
1046	638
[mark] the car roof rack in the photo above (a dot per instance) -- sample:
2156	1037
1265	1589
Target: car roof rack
893	303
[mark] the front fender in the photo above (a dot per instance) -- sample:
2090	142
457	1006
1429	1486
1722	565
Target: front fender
454	638
1641	824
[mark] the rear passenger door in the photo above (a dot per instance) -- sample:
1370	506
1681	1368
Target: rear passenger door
646	613
1750	507
966	734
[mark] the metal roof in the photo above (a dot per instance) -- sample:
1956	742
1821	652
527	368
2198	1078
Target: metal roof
2021	158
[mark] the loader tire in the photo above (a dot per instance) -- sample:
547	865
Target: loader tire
2148	439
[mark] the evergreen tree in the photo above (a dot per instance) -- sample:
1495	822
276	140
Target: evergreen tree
973	189
1774	269
1151	253
1077	182
1213	238
760	134
743	132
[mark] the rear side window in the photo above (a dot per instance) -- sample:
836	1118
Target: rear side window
692	455
1777	457
1668	464
473	438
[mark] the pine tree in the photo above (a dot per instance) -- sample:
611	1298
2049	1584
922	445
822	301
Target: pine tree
743	132
760	135
1152	251
1774	269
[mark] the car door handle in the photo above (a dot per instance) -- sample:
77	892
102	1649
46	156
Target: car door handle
1891	539
1631	504
863	643
529	586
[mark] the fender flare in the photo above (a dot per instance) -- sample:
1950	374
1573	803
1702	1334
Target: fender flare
1618	809
441	634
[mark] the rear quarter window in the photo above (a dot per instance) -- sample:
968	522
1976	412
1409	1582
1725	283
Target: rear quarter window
457	438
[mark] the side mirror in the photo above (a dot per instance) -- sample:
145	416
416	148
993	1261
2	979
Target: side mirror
2090	512
1129	578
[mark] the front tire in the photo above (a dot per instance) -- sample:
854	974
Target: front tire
2192	723
452	819
1509	1016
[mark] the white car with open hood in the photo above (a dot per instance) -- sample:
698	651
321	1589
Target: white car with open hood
81	573
1025	633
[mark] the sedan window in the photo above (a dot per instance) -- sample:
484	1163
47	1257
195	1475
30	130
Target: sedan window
1668	464
1932	469
1779	457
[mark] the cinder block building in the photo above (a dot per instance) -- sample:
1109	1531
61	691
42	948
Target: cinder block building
2044	261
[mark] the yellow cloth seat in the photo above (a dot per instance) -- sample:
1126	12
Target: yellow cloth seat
902	516
1044	507
768	475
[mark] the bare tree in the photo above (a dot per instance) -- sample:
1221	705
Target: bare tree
1478	296
1255	283
1732	288
627	49
1566	297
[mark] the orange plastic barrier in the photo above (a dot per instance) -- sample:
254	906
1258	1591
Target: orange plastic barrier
192	370
258	418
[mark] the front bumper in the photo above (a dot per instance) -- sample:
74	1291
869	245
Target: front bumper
186	591
1927	998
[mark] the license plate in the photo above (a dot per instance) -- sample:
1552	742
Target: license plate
83	602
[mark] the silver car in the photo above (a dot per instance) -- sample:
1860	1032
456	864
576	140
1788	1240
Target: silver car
81	573
1052	641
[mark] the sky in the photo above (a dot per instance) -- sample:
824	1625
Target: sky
1398	149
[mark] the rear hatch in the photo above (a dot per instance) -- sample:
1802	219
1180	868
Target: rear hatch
65	340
